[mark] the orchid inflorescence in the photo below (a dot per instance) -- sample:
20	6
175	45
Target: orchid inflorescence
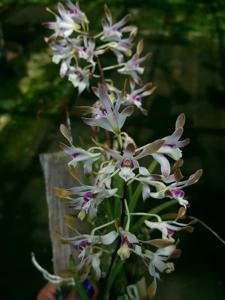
117	161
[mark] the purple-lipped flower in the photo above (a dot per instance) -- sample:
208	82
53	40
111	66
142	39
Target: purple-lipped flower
85	199
167	228
173	190
64	51
171	147
113	32
134	97
70	19
132	67
88	256
129	243
79	78
108	116
80	155
127	162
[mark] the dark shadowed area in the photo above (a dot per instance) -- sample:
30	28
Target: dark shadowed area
187	42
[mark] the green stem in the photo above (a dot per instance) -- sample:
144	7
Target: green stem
109	209
138	190
79	287
120	142
116	269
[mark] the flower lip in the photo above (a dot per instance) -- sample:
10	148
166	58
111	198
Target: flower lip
170	232
124	240
74	11
75	154
170	145
137	98
178	193
88	196
127	163
83	244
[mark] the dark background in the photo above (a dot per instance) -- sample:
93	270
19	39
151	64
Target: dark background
186	38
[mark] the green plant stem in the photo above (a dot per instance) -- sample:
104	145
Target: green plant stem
79	287
109	209
116	263
154	210
138	190
115	270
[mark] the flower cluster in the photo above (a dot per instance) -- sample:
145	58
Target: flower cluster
115	166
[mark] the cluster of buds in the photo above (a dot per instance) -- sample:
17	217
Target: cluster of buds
119	159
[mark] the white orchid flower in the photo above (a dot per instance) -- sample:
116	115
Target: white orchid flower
158	260
173	190
64	51
129	243
127	163
171	147
85	243
167	228
108	116
79	78
88	198
80	155
69	20
113	32
132	66
134	97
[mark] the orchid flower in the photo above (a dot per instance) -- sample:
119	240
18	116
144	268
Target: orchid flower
78	154
83	241
108	116
113	32
81	155
167	228
135	96
174	190
171	147
129	243
103	177
158	260
64	51
88	51
120	48
132	66
85	244
128	161
79	78
88	198
70	19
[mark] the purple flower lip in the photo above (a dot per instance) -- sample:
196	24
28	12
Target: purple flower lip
75	154
170	145
88	196
103	111
178	193
127	163
83	244
124	240
79	75
135	64
137	98
170	232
